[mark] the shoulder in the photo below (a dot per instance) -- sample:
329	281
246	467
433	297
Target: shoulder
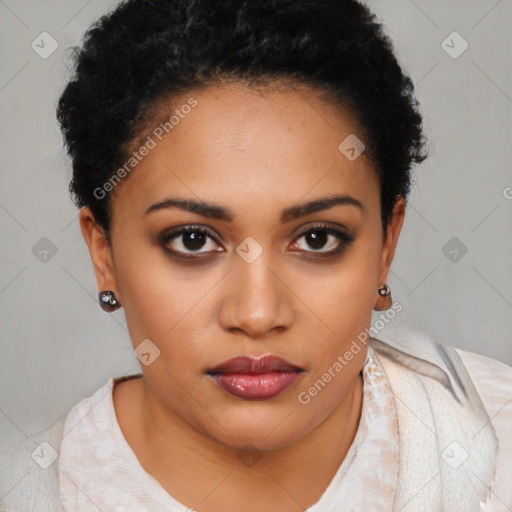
30	465
493	382
28	470
488	372
469	397
422	354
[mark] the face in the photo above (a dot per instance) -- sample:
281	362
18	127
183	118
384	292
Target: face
257	273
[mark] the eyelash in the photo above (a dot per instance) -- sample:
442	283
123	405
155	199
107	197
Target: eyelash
344	239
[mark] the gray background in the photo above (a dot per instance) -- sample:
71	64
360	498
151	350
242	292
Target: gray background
58	346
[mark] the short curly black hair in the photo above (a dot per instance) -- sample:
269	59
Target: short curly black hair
147	50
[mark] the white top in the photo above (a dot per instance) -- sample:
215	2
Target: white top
84	463
97	465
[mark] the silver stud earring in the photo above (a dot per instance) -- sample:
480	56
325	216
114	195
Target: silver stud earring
108	301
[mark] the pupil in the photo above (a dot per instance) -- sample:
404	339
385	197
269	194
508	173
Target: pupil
194	240
317	239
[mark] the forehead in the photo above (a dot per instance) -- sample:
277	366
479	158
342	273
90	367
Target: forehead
241	146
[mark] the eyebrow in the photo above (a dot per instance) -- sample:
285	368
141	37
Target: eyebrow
219	212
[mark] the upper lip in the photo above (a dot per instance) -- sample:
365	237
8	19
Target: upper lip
252	365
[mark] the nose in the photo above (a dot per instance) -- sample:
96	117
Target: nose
256	300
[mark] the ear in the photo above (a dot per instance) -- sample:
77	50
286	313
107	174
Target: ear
100	251
388	249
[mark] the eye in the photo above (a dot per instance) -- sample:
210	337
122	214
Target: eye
321	237
188	240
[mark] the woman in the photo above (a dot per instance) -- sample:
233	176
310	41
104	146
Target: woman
242	170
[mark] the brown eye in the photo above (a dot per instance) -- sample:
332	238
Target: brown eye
323	239
317	239
190	240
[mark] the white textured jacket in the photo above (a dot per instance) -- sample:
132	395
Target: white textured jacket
454	443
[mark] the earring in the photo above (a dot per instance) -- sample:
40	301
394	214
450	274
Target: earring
385	291
108	301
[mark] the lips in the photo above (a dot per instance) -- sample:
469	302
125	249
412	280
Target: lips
254	366
255	379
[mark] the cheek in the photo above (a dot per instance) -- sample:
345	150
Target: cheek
154	298
343	297
161	304
342	307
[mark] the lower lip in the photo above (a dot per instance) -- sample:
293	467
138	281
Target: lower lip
255	387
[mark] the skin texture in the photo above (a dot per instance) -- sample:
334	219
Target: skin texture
255	153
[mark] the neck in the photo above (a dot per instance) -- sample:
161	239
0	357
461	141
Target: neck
189	465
